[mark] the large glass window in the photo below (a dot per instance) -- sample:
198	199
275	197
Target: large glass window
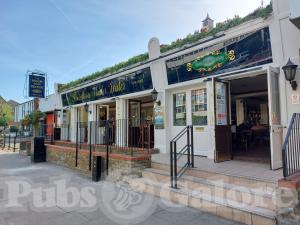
179	102
199	107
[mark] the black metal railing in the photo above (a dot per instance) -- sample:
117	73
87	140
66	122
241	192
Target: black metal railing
122	136
187	149
291	148
12	140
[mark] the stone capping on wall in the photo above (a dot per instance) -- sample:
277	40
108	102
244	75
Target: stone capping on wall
291	182
103	154
120	148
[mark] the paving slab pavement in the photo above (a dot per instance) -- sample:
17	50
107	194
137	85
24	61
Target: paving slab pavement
46	194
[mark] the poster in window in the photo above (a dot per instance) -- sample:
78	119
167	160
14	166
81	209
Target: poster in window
221	104
200	96
159	117
179	100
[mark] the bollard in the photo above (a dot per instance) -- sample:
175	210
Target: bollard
9	141
15	144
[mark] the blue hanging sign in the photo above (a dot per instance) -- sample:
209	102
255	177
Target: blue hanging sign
36	86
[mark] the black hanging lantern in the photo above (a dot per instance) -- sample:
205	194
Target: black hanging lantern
290	72
154	95
86	107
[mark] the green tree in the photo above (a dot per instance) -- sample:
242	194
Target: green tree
6	115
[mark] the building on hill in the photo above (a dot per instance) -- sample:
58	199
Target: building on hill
207	24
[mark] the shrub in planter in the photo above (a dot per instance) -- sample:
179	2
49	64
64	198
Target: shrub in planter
13	129
34	119
26	121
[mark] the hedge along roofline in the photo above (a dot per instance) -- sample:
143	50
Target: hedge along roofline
179	43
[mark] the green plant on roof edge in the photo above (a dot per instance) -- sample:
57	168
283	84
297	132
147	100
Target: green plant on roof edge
179	43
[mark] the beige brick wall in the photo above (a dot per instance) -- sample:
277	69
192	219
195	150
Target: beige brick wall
118	167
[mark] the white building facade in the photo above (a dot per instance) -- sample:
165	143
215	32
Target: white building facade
22	110
226	86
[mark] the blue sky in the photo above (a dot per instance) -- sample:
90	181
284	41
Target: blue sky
72	38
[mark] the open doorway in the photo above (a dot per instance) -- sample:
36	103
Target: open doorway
105	127
140	122
250	119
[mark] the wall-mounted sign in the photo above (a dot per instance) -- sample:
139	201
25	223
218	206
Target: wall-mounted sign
211	61
200	129
36	86
129	83
248	50
221	104
295	99
159	117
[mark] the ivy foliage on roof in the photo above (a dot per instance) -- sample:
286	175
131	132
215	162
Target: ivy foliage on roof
179	43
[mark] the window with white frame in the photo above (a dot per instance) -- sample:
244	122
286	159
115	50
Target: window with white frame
179	103
199	107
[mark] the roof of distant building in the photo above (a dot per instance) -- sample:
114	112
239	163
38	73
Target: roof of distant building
13	103
207	18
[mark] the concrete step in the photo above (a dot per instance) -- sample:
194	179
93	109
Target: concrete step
248	182
256	197
231	210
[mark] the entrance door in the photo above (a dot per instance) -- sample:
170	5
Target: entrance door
103	113
134	113
134	123
83	124
222	122
274	117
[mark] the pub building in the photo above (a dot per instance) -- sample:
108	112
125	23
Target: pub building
230	87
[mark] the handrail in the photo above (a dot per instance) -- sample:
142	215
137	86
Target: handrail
291	147
188	150
289	131
182	132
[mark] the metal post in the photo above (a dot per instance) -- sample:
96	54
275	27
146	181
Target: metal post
171	164
15	143
90	140
175	165
76	157
79	132
188	146
52	135
9	141
192	146
107	146
95	135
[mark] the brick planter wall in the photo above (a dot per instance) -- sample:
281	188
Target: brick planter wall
289	200
119	165
65	156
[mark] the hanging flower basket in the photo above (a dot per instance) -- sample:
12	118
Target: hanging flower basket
33	118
